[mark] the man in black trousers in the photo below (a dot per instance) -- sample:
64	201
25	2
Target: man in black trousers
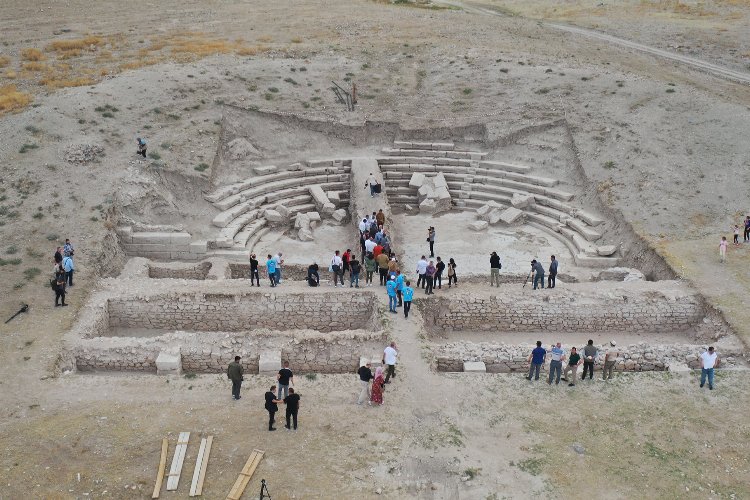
234	373
292	406
271	406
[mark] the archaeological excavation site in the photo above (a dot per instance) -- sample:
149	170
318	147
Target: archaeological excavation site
184	302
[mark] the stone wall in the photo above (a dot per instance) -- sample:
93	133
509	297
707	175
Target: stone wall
238	311
190	272
640	307
634	357
289	271
160	245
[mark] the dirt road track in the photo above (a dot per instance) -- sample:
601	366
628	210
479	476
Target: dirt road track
699	64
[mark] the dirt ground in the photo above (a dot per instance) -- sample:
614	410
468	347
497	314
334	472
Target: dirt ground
663	144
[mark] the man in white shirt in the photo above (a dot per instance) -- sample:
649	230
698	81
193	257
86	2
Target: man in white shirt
337	269
279	260
389	359
422	272
363	226
370	245
709	361
610	359
372	182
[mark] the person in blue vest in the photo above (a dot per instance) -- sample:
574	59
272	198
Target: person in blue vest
271	268
400	288
390	287
408	294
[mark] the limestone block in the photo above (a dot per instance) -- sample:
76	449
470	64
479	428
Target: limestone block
125	233
283	210
475	366
301	220
339	215
333	196
521	169
443	146
495	215
269	362
295	167
511	215
313	216
439	181
484	211
270	169
198	247
305	234
581	228
273	216
606	250
401	145
408	207
425	192
169	363
442	193
328	208
522	200
417	180
588	218
427	206
479	225
319	196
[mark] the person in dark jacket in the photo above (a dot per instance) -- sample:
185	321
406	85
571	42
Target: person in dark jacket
439	268
59	288
271	406
552	273
313	278
538	269
495	267
292	407
254	270
234	373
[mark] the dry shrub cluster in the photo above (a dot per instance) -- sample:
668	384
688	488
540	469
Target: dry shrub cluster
76	45
4	61
32	55
11	99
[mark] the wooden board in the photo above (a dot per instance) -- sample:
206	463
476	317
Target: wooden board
179	457
162	466
199	475
247	472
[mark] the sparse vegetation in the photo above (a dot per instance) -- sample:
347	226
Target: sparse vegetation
154	155
12	100
201	167
28	147
32	54
472	472
311	376
31	273
10	262
609	165
531	466
467	91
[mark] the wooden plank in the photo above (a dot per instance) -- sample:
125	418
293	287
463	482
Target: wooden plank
162	466
199	475
179	457
244	477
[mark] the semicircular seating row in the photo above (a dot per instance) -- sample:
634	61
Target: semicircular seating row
242	220
474	182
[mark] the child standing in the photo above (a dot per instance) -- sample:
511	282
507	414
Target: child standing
723	249
736	234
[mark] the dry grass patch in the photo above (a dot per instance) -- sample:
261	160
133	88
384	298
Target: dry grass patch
76	45
12	100
197	46
35	66
10	74
64	80
140	63
32	55
4	61
251	50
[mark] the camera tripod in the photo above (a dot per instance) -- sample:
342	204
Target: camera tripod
264	490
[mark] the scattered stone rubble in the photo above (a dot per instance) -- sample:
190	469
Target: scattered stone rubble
82	154
432	192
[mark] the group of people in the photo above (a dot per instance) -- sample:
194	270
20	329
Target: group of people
284	385
62	272
373	386
537	270
724	244
588	358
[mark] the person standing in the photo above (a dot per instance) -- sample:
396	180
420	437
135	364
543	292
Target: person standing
336	273
390	354
390	288
271	268
285	378
345	261
538	269
495	267
723	249
372	182
271	406
363	226
452	276
380	218
370	245
377	387
370	267
59	287
354	268
589	358
254	274
552	272
365	376
234	373
574	361
313	277
292	407
422	272
746	234
68	250
536	360
141	146
736	229
58	256
430	277
557	354
439	268
610	359
67	264
709	361
431	240
277	274
408	294
382	261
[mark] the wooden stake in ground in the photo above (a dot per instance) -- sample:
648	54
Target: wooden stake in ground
199	475
162	466
245	475
179	456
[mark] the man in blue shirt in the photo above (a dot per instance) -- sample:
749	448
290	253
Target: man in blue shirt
391	289
271	268
555	365
68	267
408	293
536	359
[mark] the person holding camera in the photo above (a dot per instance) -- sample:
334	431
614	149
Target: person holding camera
431	240
495	267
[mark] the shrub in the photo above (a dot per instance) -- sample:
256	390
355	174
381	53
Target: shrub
27	147
31	273
11	99
467	91
201	167
32	55
154	155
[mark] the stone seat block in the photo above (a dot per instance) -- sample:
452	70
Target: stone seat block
417	180
522	169
169	363
269	363
269	169
475	367
582	229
